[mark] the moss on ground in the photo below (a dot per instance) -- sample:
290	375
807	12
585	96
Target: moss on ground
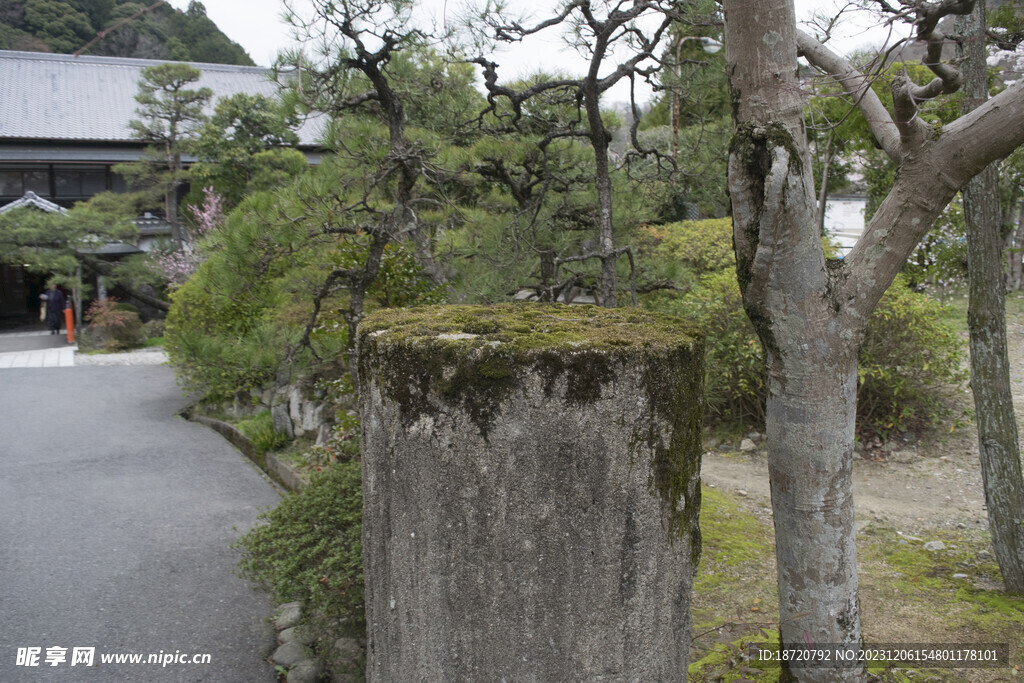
908	594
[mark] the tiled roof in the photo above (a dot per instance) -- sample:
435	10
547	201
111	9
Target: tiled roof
59	97
33	200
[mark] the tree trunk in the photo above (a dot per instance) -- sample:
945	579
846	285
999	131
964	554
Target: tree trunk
1015	250
990	380
605	226
810	430
811	314
986	319
793	299
826	167
171	202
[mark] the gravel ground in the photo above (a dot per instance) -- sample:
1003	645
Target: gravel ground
153	356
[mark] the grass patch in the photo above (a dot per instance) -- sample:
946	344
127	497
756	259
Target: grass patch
908	595
734	595
260	430
922	580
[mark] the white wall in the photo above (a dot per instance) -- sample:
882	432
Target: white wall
844	220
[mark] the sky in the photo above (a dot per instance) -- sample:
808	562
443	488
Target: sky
258	27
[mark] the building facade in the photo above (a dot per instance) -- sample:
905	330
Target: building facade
64	124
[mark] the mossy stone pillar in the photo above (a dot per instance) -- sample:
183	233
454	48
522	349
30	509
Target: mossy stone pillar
531	486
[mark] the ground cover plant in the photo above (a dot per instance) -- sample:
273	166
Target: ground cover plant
259	429
908	595
309	549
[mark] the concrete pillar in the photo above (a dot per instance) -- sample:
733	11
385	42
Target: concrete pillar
531	486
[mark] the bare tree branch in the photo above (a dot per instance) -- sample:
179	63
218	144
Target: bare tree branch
858	86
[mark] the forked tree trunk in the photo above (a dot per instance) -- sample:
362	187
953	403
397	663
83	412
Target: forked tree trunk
810	315
990	366
793	301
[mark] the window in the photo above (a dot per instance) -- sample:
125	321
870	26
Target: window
15	182
93	182
10	184
70	183
74	182
37	181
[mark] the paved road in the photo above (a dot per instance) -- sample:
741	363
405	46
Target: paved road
26	341
115	523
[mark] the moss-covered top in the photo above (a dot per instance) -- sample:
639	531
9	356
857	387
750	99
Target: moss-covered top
474	357
528	327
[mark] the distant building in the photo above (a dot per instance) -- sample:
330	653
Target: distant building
64	124
844	220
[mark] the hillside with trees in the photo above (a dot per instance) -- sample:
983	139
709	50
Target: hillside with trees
66	26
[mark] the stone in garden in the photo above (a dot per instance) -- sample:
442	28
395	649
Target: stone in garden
932	546
348	649
289	654
296	633
306	671
288	615
531	492
282	421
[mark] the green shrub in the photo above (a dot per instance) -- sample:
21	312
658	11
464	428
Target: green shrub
735	386
221	344
114	326
237	323
909	360
701	246
310	548
152	329
685	251
260	430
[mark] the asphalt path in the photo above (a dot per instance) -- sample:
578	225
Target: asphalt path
116	519
31	341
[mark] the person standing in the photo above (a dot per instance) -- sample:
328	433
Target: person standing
54	308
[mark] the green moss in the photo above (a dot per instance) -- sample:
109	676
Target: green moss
724	662
530	327
735	542
993	607
673	381
473	356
